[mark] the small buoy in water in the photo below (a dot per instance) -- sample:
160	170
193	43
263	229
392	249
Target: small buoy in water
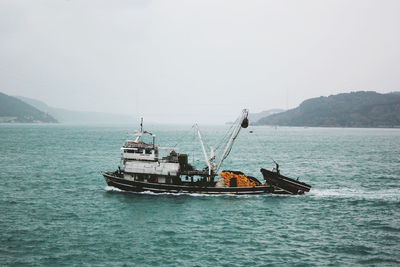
250	131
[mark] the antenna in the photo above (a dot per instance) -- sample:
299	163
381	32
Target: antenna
141	125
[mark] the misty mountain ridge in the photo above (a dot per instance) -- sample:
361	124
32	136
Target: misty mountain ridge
355	109
78	117
254	117
13	110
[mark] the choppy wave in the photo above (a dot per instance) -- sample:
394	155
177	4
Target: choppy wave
53	213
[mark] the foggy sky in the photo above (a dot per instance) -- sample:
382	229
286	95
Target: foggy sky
195	61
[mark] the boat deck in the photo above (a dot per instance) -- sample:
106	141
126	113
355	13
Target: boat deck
186	187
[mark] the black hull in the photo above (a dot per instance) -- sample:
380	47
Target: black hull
287	184
136	186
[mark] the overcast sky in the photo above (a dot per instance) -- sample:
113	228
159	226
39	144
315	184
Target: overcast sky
196	61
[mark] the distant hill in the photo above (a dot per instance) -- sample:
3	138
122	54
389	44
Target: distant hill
356	109
79	117
15	110
254	117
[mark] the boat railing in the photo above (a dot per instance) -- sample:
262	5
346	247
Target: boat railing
140	156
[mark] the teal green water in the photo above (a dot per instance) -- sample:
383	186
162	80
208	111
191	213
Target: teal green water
55	208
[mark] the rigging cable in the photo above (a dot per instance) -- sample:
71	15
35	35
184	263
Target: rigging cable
226	135
230	148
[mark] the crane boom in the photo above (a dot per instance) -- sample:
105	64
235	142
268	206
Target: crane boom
242	122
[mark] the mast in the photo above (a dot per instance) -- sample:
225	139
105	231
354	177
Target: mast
208	160
242	123
139	135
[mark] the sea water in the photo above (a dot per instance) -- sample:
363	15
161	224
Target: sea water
55	207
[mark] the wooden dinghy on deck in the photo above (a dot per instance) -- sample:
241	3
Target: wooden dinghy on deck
289	185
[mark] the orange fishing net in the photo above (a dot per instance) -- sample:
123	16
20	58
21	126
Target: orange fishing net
242	180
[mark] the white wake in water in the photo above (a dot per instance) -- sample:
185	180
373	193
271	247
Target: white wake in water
358	194
192	194
346	193
112	188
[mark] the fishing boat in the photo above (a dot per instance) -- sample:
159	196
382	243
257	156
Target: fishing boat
144	168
